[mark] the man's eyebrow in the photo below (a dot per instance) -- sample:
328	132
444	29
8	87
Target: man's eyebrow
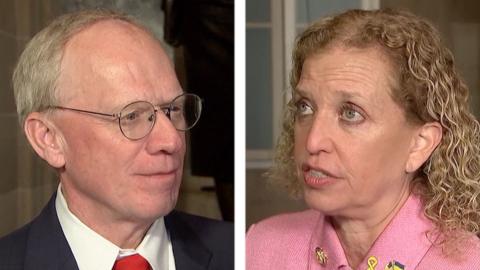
169	100
117	107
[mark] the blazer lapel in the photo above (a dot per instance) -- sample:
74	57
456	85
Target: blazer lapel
47	247
188	250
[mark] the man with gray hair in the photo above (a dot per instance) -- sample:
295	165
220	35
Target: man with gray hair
99	101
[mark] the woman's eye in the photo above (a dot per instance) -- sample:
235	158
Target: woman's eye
351	114
303	108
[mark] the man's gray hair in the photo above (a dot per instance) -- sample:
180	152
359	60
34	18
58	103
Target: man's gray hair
38	68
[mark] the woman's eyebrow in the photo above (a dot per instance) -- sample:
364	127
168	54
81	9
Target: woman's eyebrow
342	95
345	94
367	102
300	92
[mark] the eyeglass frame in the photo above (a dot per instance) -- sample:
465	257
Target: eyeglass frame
156	108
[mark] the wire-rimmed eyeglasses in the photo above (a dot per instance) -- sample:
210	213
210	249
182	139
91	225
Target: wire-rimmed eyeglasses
136	120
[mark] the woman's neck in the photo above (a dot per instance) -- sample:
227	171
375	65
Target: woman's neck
357	236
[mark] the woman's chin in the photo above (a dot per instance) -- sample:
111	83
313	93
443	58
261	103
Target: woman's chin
328	204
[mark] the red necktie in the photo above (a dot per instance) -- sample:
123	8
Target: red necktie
133	262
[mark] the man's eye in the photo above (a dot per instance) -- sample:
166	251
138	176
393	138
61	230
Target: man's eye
351	114
166	110
303	108
175	108
131	116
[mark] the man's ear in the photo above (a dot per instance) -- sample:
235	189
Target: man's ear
44	138
424	142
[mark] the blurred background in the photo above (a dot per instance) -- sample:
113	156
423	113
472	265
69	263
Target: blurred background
26	182
271	29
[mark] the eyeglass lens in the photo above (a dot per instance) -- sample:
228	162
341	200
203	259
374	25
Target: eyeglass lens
137	119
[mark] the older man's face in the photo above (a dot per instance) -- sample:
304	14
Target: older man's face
107	177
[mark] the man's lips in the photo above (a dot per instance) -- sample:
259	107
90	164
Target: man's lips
157	173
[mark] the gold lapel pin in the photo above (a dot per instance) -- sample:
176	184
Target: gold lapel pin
321	256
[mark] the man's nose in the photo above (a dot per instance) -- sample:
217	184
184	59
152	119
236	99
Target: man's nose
320	134
164	137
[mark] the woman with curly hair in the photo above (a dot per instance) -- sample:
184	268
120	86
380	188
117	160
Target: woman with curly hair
379	140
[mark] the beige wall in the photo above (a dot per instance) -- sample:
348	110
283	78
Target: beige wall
264	199
459	24
24	185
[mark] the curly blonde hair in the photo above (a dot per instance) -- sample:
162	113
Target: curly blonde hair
428	89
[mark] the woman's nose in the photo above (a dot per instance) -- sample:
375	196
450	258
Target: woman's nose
319	137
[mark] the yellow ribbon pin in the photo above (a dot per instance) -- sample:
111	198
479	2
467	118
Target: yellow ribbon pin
372	262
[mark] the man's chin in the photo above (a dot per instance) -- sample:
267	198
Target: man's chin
154	210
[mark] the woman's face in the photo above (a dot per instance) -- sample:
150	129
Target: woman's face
352	141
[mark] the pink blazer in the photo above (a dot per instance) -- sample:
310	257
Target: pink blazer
292	241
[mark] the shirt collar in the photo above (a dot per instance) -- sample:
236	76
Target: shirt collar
404	240
92	251
156	247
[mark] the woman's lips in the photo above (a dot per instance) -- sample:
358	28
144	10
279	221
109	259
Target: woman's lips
317	178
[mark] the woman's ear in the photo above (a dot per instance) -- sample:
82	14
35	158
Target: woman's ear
424	143
44	138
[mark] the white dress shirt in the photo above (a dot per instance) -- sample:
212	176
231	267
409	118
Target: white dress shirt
93	252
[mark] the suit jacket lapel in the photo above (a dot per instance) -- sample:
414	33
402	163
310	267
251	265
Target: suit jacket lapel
47	247
188	250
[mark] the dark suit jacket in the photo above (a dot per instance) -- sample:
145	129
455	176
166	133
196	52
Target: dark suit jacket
198	243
